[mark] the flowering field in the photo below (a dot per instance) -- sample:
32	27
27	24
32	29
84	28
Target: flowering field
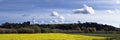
48	36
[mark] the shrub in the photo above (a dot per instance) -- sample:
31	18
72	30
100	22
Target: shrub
46	30
56	30
36	29
3	30
25	30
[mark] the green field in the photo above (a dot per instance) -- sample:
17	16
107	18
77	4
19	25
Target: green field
113	36
52	36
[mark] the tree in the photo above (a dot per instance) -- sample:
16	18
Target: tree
36	28
6	25
25	30
46	30
26	24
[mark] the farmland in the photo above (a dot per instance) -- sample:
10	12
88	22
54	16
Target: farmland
76	31
49	36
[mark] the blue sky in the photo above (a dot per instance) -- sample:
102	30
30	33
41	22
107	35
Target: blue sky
13	11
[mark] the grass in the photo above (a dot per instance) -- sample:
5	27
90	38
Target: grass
113	36
49	36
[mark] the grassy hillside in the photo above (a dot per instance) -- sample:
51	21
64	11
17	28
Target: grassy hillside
48	36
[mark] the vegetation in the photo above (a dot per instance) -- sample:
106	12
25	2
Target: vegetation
112	36
83	31
48	36
88	27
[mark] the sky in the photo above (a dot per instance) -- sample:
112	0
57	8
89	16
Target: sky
14	11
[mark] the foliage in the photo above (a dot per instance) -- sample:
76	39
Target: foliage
26	27
25	30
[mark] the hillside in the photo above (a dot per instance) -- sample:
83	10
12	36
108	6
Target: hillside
88	27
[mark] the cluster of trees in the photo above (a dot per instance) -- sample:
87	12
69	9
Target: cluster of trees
26	27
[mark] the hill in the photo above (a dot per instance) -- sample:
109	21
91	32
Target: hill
87	27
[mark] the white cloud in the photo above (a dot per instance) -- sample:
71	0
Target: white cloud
54	13
50	21
61	18
36	22
90	10
109	11
42	22
55	21
117	1
117	11
85	10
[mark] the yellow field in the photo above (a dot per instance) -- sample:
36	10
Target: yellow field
47	36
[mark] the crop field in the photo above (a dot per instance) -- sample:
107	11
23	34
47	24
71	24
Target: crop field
48	36
112	36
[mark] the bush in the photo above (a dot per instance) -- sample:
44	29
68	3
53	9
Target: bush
3	30
25	30
11	31
46	30
36	29
56	30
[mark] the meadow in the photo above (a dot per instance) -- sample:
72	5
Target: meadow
50	36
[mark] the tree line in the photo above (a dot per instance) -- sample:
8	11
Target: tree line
87	27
